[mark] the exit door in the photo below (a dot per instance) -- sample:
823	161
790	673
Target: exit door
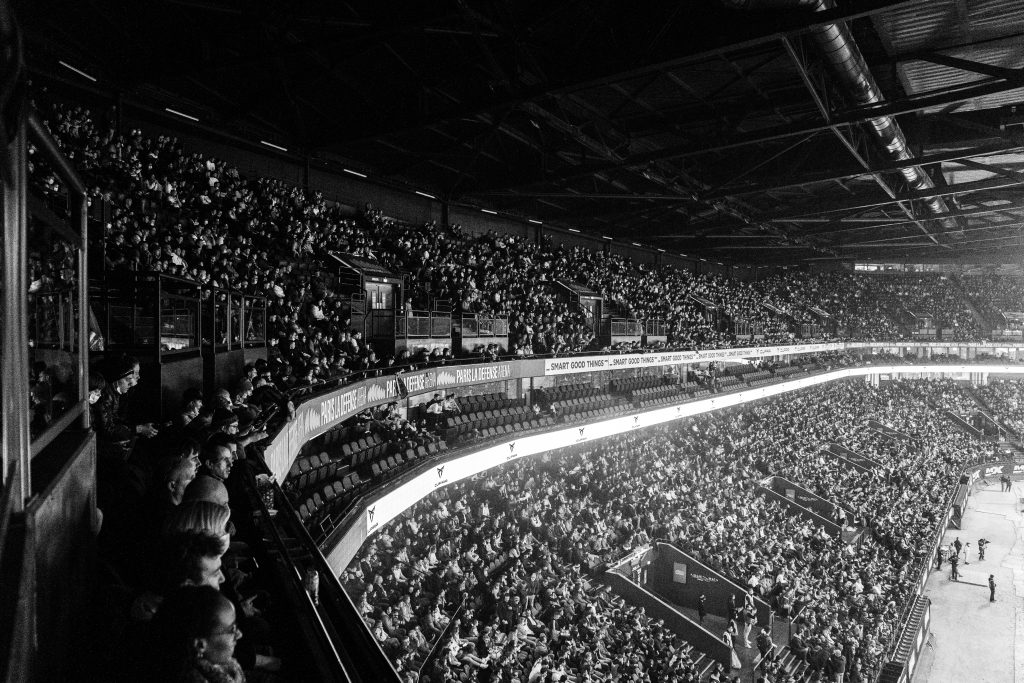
380	295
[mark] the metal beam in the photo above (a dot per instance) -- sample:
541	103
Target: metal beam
851	117
850	148
976	228
996	170
855	225
787	24
992	71
853	172
861	203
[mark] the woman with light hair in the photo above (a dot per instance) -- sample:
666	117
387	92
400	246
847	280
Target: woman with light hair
201	515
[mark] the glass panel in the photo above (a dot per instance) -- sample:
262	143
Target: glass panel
440	326
179	315
255	321
52	321
235	320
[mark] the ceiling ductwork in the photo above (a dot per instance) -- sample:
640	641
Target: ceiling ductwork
839	49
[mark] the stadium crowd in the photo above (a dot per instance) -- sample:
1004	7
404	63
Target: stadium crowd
518	542
496	571
178	584
1005	398
194	216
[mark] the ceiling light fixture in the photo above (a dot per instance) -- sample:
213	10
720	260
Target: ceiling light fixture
273	146
493	213
535	222
355	173
77	71
573	230
182	115
425	194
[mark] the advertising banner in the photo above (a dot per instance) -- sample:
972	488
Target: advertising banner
568	366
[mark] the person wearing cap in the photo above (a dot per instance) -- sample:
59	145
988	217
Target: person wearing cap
115	435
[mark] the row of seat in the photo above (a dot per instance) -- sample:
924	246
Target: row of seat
654	392
398	460
566	392
755	376
519	426
579	405
365	449
311	470
475	403
459	425
330	498
633	383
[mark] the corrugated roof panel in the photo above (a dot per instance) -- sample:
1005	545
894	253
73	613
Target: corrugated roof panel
935	24
985	31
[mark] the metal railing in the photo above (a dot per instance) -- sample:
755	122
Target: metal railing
484	326
423	324
625	327
655	328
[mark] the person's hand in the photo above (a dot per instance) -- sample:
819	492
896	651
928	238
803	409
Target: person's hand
248	608
147	430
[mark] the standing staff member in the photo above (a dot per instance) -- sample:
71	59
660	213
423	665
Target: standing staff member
991	587
981	548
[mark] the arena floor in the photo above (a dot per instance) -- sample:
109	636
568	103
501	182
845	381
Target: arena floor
973	639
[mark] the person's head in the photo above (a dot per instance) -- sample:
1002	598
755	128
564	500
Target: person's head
225	420
173	474
200	516
192	403
131	363
96	386
124	377
194	622
243	391
193	558
221	397
217	459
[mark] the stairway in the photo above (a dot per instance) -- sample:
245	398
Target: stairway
985	323
893	670
987	411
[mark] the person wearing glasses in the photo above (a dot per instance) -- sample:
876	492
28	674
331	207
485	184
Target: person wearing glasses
194	635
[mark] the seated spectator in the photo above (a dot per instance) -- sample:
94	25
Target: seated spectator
216	460
194	635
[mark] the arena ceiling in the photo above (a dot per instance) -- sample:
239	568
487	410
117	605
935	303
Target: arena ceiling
716	128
